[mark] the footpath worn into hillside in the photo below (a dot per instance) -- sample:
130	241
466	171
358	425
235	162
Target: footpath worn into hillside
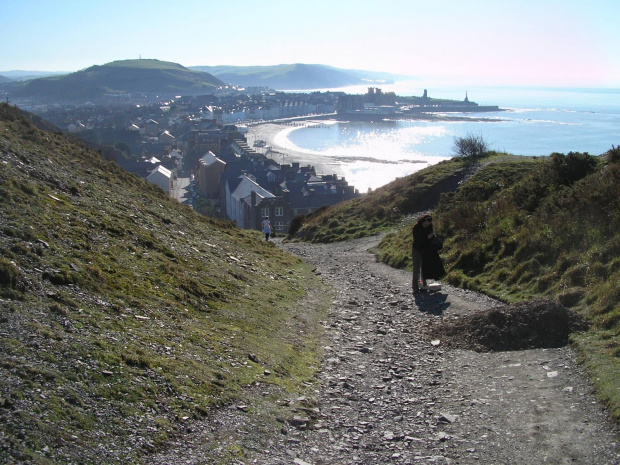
388	392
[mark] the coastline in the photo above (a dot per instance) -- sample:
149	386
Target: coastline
271	133
365	170
364	173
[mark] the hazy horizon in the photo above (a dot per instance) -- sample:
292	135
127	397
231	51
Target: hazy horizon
567	43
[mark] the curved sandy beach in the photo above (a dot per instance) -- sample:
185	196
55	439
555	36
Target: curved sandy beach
274	134
362	172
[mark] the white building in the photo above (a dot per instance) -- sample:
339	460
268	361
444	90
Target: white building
237	199
161	177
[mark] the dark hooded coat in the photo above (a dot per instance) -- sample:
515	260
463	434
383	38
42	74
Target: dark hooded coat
431	264
432	267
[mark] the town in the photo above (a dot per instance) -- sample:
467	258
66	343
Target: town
196	149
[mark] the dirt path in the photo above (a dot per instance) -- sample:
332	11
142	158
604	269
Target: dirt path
389	395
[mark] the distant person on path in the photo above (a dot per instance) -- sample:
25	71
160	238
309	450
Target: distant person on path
424	252
267	227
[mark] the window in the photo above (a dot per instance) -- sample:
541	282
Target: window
279	211
279	226
264	212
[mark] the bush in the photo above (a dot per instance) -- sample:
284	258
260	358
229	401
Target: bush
469	146
613	155
296	223
8	274
570	168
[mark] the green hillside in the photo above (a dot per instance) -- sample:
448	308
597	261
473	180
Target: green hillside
515	228
123	313
386	207
295	76
118	77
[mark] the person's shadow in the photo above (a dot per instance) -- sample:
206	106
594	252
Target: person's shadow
434	303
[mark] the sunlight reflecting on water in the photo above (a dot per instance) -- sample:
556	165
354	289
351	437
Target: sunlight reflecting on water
369	175
536	122
370	155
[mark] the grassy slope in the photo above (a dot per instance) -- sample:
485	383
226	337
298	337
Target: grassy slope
120	76
296	76
385	207
519	228
124	311
555	232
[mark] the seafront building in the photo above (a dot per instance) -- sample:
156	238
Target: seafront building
376	104
251	186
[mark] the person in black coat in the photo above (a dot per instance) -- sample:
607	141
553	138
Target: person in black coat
426	261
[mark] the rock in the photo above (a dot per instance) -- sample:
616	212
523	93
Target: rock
447	418
299	422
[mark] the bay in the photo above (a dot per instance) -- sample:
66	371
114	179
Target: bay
535	122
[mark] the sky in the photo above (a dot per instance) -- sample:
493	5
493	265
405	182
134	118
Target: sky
559	43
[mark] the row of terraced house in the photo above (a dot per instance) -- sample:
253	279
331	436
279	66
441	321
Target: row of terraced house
246	187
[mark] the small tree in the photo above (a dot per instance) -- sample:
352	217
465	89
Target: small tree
469	146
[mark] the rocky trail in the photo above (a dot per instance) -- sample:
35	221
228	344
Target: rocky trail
390	392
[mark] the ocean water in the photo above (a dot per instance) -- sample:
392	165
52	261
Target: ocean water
535	122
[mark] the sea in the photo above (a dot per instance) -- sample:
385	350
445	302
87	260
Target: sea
533	122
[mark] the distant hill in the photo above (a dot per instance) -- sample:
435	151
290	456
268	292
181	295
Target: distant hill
21	75
296	76
4	79
118	77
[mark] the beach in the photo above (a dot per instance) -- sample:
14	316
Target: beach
368	155
362	169
274	135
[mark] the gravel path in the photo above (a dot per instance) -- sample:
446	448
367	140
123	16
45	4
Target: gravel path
389	395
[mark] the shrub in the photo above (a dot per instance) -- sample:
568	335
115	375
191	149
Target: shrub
469	146
296	223
613	155
572	167
8	274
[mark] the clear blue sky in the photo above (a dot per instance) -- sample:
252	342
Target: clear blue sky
518	42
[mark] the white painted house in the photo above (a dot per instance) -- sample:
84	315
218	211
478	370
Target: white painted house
161	177
238	198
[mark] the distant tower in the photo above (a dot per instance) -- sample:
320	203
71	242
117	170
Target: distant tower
425	96
466	99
